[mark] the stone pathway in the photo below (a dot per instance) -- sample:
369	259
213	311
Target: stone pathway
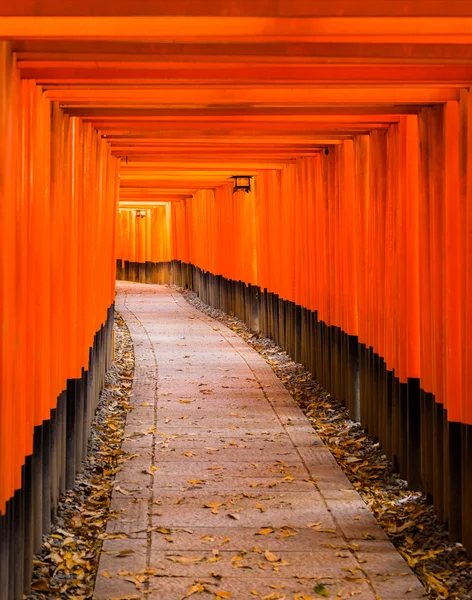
229	492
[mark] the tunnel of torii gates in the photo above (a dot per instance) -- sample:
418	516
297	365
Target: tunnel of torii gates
121	125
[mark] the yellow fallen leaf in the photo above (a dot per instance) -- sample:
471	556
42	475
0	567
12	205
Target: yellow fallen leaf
163	530
214	558
270	557
106	574
285	532
110	536
352	579
264	531
197	588
325	530
220	594
184	559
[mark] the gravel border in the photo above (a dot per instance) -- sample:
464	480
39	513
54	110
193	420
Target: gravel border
67	565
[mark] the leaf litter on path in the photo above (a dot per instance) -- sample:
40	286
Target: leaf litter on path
405	515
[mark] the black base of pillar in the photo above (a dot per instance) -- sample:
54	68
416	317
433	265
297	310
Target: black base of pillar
59	445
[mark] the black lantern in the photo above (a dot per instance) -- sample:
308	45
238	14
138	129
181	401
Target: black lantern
242	183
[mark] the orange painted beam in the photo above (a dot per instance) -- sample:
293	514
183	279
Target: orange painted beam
272	122
129	96
238	111
84	72
453	30
237	8
135	166
243	52
238	130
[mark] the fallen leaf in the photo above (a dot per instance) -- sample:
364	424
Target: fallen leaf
264	531
184	559
321	590
163	530
41	585
197	588
271	557
123	491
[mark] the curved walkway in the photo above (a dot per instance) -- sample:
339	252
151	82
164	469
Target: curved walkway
229	493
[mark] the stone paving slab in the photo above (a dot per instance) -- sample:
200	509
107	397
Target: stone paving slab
283	537
231	484
227	485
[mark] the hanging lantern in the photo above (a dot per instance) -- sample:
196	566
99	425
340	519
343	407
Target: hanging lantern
242	183
140	213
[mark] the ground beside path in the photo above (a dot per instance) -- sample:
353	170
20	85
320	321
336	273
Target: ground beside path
228	492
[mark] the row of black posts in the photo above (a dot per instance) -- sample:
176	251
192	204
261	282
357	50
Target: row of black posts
431	453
